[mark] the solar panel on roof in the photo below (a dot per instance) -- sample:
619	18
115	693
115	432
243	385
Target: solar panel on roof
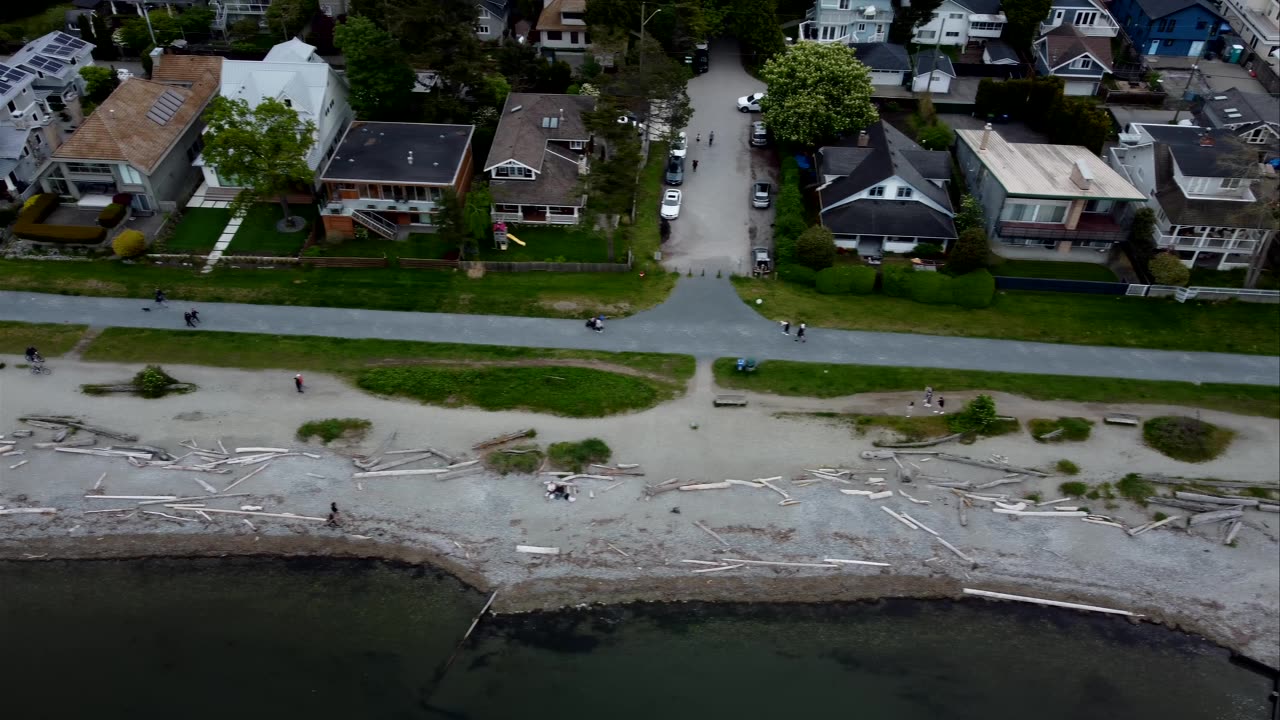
165	106
48	65
10	77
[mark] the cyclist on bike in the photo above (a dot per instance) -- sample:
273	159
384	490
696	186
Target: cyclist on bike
33	353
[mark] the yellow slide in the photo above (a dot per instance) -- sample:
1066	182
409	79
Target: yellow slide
516	240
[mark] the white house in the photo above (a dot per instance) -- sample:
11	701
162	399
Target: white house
1090	18
847	21
491	19
1211	207
28	134
55	60
562	25
934	72
294	74
889	63
1257	21
956	22
1080	60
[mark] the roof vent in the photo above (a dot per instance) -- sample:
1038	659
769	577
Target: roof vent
410	157
1230	109
1081	175
1219	97
517	108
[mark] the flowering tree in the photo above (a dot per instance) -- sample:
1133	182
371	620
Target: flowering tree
816	91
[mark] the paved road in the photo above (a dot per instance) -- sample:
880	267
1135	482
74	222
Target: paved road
717	225
703	317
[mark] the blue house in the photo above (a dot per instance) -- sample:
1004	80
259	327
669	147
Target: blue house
1168	27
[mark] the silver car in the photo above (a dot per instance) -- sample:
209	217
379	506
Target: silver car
761	194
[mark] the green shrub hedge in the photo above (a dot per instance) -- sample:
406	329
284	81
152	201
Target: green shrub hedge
932	288
111	215
835	280
864	280
41	206
70	234
798	274
896	280
973	290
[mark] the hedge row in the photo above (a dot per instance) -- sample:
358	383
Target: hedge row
789	220
111	215
38	208
972	290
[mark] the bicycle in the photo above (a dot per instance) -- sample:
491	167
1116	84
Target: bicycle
38	368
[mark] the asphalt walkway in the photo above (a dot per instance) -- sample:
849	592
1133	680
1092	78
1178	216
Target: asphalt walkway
703	317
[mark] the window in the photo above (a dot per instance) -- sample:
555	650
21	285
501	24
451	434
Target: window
482	29
576	144
1160	26
1168	43
1082	64
484	14
1023	212
955	16
573	38
877	191
1172	25
953	34
1230	183
1099	206
904	192
844	4
196	148
927	34
513	171
555	35
129	176
862	27
510	209
985	26
1086	17
88	168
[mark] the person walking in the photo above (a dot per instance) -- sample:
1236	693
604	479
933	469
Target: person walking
187	316
711	139
800	333
942	404
698	138
695	166
911	406
928	396
160	299
786	327
297	381
195	315
332	521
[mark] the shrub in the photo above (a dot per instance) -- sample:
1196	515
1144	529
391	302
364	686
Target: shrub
577	455
971	252
931	288
863	280
70	234
974	290
1134	488
153	382
1074	489
896	280
816	248
129	243
122	199
970	214
37	208
1074	429
526	461
8	214
977	415
937	136
1066	467
798	274
331	429
927	250
1186	438
1167	269
835	280
111	215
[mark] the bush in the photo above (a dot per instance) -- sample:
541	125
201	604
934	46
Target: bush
928	250
129	243
153	382
971	252
1066	467
864	280
937	136
526	461
1167	269
978	414
1074	489
816	248
896	280
836	280
576	456
8	214
974	290
1134	488
1186	438
333	428
798	274
1074	429
37	208
70	234
111	215
931	288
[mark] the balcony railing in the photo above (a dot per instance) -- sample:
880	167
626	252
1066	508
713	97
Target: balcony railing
1088	228
1102	26
1199	242
813	33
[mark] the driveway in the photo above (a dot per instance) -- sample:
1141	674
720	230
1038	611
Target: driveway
717	225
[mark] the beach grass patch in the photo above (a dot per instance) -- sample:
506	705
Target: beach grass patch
522	459
331	429
1074	488
1133	487
1074	429
575	456
1066	467
1186	438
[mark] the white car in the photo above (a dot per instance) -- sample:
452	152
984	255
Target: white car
670	204
680	146
750	103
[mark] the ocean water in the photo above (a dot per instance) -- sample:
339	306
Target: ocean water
274	638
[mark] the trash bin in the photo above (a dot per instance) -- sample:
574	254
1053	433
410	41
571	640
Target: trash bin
1237	51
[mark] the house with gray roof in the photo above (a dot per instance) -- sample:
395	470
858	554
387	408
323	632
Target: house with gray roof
55	61
889	63
491	19
847	21
28	132
1206	188
959	22
934	72
882	192
541	151
1079	59
1253	117
999	52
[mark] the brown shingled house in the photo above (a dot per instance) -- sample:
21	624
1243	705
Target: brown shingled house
540	152
141	140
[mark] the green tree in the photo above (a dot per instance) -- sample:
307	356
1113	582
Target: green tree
1142	238
816	91
1078	121
969	215
611	183
262	149
437	34
450	220
1167	269
978	415
937	136
906	16
479	203
816	248
1023	20
245	28
196	20
661	79
105	44
971	252
755	23
290	16
380	77
99	82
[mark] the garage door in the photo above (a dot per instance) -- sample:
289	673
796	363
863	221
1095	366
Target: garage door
886	78
1080	88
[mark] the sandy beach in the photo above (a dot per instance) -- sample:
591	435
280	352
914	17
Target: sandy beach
619	546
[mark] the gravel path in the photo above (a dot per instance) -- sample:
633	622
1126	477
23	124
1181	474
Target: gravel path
703	317
470	525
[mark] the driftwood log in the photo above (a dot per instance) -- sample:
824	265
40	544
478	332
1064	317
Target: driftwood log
923	443
80	425
1166	480
990	465
1183	504
1215	516
1215	499
502	439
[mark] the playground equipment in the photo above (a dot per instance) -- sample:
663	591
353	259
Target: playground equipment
502	238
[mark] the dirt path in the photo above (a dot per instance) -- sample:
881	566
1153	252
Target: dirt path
537	362
471	525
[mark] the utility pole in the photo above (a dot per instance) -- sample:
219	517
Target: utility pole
644	21
1190	76
146	16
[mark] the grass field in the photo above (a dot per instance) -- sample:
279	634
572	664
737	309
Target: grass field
541	380
198	232
50	339
1043	317
1232	278
258	235
1054	270
820	380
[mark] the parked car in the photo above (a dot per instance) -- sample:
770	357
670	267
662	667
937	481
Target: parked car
750	103
680	146
759	134
670	204
761	194
675	170
760	262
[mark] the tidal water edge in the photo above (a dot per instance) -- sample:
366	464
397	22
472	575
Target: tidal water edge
278	638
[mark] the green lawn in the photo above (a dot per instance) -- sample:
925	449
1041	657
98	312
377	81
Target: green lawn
198	232
563	295
825	380
1037	316
1054	270
540	380
552	244
417	245
258	235
644	234
1232	279
49	338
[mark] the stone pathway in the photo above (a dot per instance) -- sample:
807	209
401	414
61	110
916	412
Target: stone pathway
198	200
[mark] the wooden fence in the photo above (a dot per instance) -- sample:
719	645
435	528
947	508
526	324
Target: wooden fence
426	264
1133	97
347	262
544	266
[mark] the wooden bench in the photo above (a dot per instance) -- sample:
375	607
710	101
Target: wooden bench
1121	419
729	401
